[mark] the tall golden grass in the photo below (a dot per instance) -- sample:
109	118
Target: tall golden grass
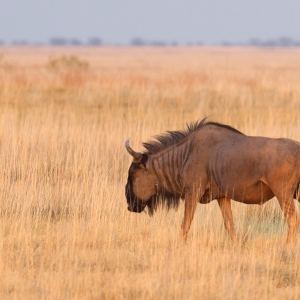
65	114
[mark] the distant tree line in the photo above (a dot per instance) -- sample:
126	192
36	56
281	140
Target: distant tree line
58	41
140	42
280	42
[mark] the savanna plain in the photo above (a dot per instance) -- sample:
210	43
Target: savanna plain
65	114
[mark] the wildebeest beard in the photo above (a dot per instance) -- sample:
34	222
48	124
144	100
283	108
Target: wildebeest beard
162	199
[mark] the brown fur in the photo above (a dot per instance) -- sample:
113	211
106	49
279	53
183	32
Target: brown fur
211	161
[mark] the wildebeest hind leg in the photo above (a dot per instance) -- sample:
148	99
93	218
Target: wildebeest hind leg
225	206
288	207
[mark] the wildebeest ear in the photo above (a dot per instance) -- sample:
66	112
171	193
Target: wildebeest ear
142	163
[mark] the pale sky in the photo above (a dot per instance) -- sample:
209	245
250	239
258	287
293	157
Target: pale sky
119	21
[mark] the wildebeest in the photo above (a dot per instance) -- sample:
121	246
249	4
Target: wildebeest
211	161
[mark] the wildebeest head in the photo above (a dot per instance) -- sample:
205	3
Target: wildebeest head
141	184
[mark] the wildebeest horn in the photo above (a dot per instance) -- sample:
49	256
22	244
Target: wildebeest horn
137	156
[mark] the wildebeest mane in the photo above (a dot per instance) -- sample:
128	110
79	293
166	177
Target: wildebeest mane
171	138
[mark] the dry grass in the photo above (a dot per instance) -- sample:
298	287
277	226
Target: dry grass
65	229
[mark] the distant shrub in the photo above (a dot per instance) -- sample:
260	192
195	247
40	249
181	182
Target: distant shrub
67	63
95	41
58	41
4	65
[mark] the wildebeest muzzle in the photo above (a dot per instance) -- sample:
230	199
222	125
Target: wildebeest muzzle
137	208
134	204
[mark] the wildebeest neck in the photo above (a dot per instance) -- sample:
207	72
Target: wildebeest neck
167	165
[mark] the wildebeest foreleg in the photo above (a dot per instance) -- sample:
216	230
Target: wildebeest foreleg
288	207
225	207
189	211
